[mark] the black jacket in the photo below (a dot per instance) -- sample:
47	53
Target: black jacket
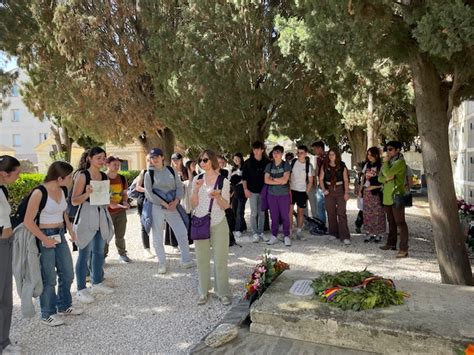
253	172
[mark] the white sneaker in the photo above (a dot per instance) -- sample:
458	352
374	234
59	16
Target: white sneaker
331	238
71	311
162	269
288	241
101	288
273	240
149	254
53	321
237	234
264	237
187	265
255	238
83	296
346	242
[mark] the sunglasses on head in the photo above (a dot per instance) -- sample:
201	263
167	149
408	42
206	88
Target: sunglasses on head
203	160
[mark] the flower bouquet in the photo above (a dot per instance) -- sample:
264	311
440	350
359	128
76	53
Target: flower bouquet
466	215
267	270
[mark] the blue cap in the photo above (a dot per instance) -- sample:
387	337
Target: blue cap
155	152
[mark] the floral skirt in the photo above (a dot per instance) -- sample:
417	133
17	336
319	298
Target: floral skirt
374	214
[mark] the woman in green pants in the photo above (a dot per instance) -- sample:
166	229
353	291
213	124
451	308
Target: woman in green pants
203	193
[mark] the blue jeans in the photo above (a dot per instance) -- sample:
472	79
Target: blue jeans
56	263
257	216
320	205
96	247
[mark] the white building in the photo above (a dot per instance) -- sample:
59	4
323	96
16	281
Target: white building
19	128
461	147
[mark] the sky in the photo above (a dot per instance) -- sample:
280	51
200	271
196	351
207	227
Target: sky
6	63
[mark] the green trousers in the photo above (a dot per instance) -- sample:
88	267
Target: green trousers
219	242
119	220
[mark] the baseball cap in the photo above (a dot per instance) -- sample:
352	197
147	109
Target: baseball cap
155	152
112	158
176	156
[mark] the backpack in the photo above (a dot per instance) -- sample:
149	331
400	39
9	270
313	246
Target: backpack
132	189
19	216
152	176
315	226
293	162
71	209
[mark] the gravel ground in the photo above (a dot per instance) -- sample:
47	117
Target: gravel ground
152	313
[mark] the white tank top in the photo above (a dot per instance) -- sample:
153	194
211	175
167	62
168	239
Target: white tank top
53	213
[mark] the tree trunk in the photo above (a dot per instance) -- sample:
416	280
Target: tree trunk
68	142
159	138
370	121
431	104
358	142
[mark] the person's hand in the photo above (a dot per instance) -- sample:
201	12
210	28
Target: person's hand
172	205
325	192
89	189
7	233
49	243
346	197
198	184
114	205
215	194
247	193
126	204
73	236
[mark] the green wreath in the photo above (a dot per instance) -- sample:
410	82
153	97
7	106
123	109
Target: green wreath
357	290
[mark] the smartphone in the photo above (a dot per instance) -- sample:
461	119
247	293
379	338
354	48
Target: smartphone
55	237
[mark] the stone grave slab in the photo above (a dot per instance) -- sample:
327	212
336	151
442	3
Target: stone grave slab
436	319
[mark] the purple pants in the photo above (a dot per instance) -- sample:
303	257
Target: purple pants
280	212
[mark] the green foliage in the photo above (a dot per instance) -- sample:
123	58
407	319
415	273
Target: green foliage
221	81
350	295
22	187
130	175
343	278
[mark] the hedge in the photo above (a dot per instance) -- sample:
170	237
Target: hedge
26	182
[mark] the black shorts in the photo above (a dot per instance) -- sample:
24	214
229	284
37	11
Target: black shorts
300	198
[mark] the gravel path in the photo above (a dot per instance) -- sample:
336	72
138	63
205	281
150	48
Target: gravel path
152	313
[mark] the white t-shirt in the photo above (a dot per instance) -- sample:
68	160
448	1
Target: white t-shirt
217	213
298	176
5	211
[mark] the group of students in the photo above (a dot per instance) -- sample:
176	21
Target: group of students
278	184
269	183
47	217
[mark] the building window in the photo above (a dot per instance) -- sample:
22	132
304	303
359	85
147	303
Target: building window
15	90
43	137
16	140
124	165
15	115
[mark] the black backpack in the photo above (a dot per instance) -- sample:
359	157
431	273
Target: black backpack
152	175
20	213
293	162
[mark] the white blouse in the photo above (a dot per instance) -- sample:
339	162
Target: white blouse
217	213
5	211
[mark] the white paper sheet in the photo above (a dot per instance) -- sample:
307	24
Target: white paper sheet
101	193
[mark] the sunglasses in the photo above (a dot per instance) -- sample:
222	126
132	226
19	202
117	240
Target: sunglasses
390	149
204	160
